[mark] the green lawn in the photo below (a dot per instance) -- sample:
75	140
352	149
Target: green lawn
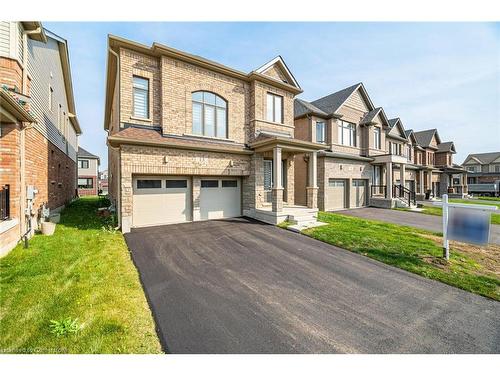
438	211
84	272
411	249
489	198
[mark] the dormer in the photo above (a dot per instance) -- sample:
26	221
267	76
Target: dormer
397	141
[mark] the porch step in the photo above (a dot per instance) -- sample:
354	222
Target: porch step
303	218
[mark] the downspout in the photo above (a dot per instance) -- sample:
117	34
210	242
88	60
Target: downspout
118	166
22	148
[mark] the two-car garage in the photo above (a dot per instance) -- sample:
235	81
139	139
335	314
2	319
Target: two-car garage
159	200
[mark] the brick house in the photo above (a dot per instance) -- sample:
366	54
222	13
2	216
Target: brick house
190	139
38	128
483	168
88	172
367	158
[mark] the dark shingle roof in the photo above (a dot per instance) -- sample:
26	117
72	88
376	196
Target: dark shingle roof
446	147
301	107
392	121
82	153
331	103
370	115
424	138
407	132
486	157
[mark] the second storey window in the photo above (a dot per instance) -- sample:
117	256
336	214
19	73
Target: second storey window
141	97
83	164
320	132
376	138
274	108
347	133
209	114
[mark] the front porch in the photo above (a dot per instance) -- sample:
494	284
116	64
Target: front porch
275	180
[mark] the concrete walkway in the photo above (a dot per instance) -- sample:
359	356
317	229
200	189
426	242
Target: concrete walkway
412	219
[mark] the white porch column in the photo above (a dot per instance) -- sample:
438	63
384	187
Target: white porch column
277	190
313	170
388	179
312	181
277	165
421	179
402	172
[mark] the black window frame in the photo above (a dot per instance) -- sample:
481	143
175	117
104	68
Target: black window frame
205	184
87	185
225	182
147	187
80	163
183	184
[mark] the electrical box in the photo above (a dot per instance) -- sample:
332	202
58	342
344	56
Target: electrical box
30	192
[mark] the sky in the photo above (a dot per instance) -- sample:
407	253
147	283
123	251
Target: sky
431	75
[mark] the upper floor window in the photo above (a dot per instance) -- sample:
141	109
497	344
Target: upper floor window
347	133
376	139
274	108
395	148
83	164
320	132
409	152
471	168
209	114
497	168
141	97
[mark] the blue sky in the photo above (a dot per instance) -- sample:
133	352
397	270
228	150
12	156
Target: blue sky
431	75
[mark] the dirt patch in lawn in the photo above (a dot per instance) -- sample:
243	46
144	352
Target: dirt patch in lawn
487	256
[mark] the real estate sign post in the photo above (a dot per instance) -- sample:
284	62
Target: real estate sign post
465	223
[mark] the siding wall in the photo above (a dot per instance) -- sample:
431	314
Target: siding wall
91	170
45	70
5	38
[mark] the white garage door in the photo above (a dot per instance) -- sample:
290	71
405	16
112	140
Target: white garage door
161	200
336	194
358	193
220	198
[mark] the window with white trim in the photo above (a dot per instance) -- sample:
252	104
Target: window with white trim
376	138
85	183
347	133
320	132
141	97
209	114
274	108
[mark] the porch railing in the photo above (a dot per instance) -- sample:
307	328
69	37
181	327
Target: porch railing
5	202
377	190
405	194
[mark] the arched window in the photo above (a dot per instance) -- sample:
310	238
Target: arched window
209	114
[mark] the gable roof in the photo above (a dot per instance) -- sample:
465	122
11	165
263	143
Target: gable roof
397	123
278	60
446	147
484	158
331	103
424	137
82	153
371	115
302	107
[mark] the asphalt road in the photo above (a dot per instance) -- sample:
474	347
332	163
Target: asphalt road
412	219
240	286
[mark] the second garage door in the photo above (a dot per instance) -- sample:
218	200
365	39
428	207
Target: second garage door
336	194
220	198
358	193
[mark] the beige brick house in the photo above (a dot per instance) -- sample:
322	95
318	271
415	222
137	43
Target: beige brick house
367	158
190	139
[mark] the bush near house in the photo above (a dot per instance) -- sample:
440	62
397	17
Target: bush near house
471	268
75	292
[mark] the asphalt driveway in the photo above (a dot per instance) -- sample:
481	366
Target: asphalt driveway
240	286
412	219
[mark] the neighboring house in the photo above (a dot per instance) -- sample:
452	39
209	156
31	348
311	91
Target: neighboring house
103	182
369	159
190	139
38	128
88	172
483	168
